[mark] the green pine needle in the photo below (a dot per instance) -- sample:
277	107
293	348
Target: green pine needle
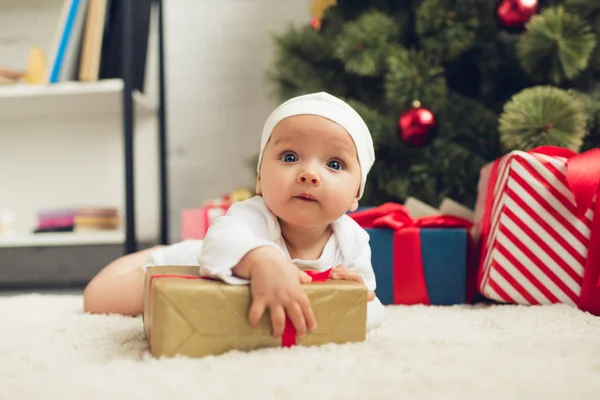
303	63
591	104
556	47
585	8
596	59
397	186
364	43
447	28
543	115
377	124
410	77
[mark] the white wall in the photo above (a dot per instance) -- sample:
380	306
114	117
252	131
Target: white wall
217	52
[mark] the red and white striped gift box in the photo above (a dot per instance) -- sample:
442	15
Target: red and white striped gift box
535	228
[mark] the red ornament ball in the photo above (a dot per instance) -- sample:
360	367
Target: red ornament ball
417	126
512	15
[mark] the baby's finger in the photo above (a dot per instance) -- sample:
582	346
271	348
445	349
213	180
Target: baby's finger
294	312
277	319
257	309
355	276
338	273
307	311
371	296
304	277
347	275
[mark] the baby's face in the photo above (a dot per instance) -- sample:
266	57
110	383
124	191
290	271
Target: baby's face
309	175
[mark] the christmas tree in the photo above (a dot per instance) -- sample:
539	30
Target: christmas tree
448	85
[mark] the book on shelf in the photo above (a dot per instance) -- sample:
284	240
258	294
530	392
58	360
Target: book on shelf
63	58
84	219
111	65
88	43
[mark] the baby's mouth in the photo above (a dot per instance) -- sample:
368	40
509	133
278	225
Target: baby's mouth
306	197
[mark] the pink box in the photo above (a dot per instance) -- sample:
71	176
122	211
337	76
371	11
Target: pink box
196	221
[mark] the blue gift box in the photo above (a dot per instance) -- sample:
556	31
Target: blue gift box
444	264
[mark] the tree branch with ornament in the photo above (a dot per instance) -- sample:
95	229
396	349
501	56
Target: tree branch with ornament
449	85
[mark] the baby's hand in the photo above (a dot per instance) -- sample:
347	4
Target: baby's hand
342	272
276	284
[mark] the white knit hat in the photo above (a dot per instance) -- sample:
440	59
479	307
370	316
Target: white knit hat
330	107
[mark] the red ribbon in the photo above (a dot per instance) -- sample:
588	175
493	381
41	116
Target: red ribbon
583	178
409	276
288	338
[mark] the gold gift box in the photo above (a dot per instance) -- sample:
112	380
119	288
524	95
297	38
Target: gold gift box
187	315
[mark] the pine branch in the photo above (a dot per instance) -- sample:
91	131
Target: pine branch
413	76
556	47
380	128
543	115
352	9
396	186
365	43
455	171
447	28
303	63
596	58
388	180
588	10
585	8
469	124
501	73
591	104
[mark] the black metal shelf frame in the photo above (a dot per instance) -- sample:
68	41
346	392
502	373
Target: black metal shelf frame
131	242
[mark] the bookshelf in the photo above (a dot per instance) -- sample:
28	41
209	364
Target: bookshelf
82	117
89	99
63	239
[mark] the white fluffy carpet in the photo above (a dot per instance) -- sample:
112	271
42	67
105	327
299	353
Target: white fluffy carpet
49	349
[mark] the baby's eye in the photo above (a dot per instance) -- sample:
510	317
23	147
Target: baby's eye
334	164
289	157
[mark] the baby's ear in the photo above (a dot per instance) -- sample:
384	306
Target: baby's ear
354	205
258	189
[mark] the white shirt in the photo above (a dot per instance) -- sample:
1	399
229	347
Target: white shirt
250	224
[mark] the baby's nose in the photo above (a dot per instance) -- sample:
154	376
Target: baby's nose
309	177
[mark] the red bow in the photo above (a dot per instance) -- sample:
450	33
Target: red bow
409	277
396	216
583	176
583	173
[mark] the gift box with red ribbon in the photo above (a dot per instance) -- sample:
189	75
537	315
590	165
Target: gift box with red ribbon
196	221
425	260
188	315
537	228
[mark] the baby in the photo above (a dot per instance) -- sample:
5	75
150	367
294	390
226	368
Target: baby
316	152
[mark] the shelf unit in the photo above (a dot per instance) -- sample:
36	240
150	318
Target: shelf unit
21	101
103	98
63	239
131	244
